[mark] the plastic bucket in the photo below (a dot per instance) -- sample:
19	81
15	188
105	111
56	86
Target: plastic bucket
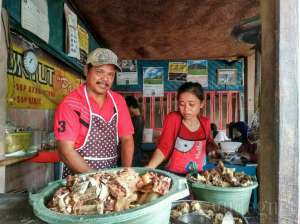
214	207
237	198
157	211
18	141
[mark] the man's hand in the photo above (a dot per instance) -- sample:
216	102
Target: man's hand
71	157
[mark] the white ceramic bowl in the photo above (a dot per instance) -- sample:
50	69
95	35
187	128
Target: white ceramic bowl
230	147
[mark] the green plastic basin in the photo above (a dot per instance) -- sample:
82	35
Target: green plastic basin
237	198
214	207
157	211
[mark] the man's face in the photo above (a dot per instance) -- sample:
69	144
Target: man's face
100	78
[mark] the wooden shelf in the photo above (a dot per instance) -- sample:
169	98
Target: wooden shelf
10	161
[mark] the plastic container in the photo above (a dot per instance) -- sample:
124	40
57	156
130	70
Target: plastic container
215	207
237	198
18	141
157	211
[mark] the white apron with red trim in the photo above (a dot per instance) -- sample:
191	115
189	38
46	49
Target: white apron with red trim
100	148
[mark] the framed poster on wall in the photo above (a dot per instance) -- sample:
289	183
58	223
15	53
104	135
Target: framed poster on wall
227	76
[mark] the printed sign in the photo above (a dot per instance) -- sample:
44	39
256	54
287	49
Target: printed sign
34	17
178	71
44	88
72	39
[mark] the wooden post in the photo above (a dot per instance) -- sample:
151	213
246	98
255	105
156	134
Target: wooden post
3	81
3	89
250	86
279	132
257	82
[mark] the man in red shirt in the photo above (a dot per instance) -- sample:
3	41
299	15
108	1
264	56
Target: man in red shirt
91	120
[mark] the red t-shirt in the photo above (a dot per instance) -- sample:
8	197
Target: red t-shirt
171	129
72	116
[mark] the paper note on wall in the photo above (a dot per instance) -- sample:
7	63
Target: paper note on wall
34	17
72	39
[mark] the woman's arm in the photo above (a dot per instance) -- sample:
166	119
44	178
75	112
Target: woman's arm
157	158
166	141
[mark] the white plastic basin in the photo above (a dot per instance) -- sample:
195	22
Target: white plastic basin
229	147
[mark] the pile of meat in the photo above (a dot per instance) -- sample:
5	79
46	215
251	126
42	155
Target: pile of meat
104	192
222	177
215	214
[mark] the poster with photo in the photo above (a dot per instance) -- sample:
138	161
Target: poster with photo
127	78
128	65
198	72
153	81
129	75
227	76
178	71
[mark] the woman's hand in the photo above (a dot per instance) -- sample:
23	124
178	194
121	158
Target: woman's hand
149	166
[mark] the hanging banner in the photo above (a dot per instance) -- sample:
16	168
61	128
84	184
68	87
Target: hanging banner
153	81
178	71
72	39
83	43
42	89
198	72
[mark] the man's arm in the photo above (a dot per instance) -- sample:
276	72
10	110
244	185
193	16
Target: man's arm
71	157
127	149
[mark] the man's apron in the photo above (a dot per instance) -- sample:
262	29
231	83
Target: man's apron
187	155
100	147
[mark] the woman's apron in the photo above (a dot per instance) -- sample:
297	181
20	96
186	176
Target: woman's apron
187	155
100	147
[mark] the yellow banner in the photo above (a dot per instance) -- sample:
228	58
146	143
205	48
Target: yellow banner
43	89
83	39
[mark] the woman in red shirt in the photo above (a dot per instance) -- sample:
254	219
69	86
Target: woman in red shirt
186	134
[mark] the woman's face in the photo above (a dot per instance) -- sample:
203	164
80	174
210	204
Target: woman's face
189	105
